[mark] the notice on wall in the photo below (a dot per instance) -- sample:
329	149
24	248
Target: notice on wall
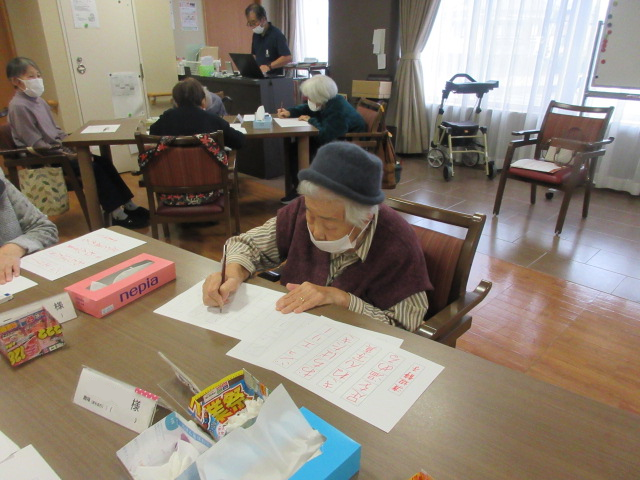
126	94
188	16
85	14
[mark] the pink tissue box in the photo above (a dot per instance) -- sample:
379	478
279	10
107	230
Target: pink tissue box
121	284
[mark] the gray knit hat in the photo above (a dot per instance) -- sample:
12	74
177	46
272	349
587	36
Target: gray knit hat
347	170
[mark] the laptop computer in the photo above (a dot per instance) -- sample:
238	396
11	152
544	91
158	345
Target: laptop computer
247	65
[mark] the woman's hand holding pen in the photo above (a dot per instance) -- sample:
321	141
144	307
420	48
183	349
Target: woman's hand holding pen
283	113
215	292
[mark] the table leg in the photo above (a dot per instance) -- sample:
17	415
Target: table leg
89	187
303	153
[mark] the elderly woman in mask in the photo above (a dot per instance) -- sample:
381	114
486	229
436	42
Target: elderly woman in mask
329	112
341	245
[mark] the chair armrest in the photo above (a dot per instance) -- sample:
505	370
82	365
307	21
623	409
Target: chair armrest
577	145
365	135
526	133
444	321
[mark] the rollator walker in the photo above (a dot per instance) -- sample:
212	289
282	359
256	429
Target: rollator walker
466	139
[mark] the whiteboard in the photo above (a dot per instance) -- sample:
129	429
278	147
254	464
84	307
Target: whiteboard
617	61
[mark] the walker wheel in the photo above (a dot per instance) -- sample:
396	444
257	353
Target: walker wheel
470	159
491	171
447	172
435	157
548	195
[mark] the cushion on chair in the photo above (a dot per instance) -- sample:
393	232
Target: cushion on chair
555	178
192	210
441	253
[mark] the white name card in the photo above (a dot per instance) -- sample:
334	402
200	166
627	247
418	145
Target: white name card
114	400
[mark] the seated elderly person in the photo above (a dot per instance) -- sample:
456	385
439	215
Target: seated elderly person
214	103
341	245
329	112
25	229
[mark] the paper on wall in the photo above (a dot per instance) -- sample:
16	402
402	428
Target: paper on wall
378	41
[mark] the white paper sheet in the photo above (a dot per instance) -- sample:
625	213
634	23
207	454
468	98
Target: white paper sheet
238	127
537	165
27	464
56	262
85	14
290	122
18	284
382	61
352	369
101	129
251	307
248	118
7	447
378	41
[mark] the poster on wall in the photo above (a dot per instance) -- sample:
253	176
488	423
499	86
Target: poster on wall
188	16
85	14
126	94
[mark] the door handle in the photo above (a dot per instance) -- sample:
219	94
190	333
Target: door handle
81	69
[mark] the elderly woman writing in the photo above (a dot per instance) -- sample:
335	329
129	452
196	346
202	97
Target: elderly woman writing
329	112
342	246
24	230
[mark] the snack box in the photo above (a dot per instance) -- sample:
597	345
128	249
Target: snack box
340	457
111	289
370	89
29	336
213	406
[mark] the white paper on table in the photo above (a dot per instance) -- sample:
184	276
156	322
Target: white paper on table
18	284
251	307
56	262
273	448
101	129
382	61
290	122
27	464
7	447
238	127
248	118
352	369
59	306
115	400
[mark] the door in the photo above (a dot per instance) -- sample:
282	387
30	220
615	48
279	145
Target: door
104	58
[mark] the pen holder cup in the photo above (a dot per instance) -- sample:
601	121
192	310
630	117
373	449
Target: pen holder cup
266	123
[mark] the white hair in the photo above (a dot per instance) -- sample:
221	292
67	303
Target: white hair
319	89
356	214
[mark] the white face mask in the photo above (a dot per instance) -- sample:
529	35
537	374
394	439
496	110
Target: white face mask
336	246
259	29
34	87
314	107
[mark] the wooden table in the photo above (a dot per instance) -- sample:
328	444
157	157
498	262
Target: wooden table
83	141
476	421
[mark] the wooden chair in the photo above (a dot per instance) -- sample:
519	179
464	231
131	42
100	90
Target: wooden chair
376	139
449	260
578	129
16	158
185	167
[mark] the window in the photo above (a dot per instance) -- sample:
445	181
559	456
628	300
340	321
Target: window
312	30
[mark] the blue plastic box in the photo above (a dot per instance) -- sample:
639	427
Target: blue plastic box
340	459
266	123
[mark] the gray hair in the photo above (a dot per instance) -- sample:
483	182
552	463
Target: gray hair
355	213
257	9
319	89
17	66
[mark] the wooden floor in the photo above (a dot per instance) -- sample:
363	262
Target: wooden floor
578	337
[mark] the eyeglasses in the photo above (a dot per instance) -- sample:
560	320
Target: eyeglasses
253	23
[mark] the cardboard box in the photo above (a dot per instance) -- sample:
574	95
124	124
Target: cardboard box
29	336
370	89
340	457
117	286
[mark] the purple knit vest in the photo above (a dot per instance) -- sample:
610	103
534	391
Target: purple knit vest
394	269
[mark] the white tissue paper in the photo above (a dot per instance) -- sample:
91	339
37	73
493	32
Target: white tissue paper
273	448
260	113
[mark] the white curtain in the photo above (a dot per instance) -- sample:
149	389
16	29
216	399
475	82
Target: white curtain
539	51
311	37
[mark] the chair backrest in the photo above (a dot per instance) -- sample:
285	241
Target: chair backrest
372	112
184	166
6	140
448	255
573	122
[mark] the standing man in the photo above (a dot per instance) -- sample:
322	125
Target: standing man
269	44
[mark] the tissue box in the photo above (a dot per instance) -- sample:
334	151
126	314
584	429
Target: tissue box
30	336
266	123
213	406
104	292
370	89
340	457
155	445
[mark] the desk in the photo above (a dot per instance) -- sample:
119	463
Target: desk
476	421
301	134
82	141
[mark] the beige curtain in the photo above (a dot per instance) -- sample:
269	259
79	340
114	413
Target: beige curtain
284	19
407	108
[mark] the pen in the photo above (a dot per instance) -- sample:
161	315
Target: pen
224	265
5	297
